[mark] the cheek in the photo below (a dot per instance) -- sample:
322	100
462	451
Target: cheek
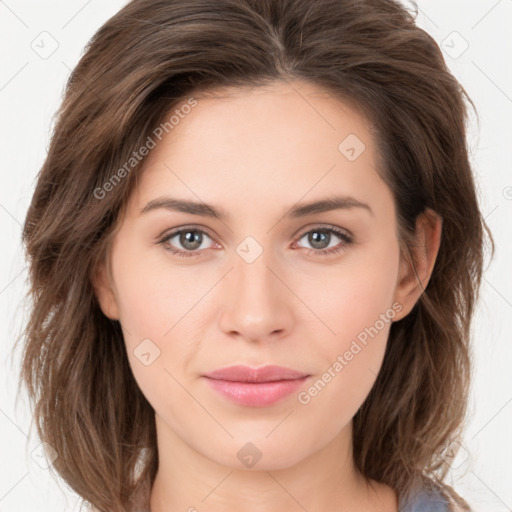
148	293
156	304
353	358
354	296
358	307
149	307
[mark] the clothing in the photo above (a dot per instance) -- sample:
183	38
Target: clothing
421	499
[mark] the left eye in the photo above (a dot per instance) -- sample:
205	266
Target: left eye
318	237
191	239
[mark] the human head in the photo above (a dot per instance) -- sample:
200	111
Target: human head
133	74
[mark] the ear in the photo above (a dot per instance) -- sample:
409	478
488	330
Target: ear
414	273
104	291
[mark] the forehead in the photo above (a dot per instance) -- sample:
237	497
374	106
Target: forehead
262	146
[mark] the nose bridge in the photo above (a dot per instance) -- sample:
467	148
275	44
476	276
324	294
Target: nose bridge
255	283
255	302
252	271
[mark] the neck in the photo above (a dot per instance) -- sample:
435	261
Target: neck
327	480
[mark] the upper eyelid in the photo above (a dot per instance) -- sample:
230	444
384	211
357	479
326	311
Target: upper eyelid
328	227
173	232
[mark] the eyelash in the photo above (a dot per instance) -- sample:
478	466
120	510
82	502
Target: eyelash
347	240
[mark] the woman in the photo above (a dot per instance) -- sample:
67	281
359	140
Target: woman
255	250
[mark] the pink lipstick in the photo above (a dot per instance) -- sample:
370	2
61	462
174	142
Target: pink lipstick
255	387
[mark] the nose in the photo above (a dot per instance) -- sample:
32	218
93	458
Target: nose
256	303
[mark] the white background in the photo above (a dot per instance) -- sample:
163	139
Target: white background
30	91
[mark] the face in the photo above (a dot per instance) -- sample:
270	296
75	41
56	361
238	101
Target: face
264	281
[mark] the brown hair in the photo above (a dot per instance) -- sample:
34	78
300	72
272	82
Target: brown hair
147	59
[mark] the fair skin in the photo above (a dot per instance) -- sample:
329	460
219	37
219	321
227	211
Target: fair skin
256	153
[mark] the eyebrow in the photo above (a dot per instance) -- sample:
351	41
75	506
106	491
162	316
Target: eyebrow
297	211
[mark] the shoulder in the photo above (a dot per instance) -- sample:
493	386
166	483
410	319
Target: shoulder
454	507
425	499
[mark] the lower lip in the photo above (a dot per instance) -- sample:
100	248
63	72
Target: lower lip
254	394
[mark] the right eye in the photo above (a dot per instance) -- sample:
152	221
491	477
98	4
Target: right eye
191	239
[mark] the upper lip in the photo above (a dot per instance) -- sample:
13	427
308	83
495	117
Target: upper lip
242	373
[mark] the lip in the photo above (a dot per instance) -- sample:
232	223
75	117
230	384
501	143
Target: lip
255	387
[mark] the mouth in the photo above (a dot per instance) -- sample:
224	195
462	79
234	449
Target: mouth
255	387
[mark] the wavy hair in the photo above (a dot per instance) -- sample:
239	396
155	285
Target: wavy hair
147	59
